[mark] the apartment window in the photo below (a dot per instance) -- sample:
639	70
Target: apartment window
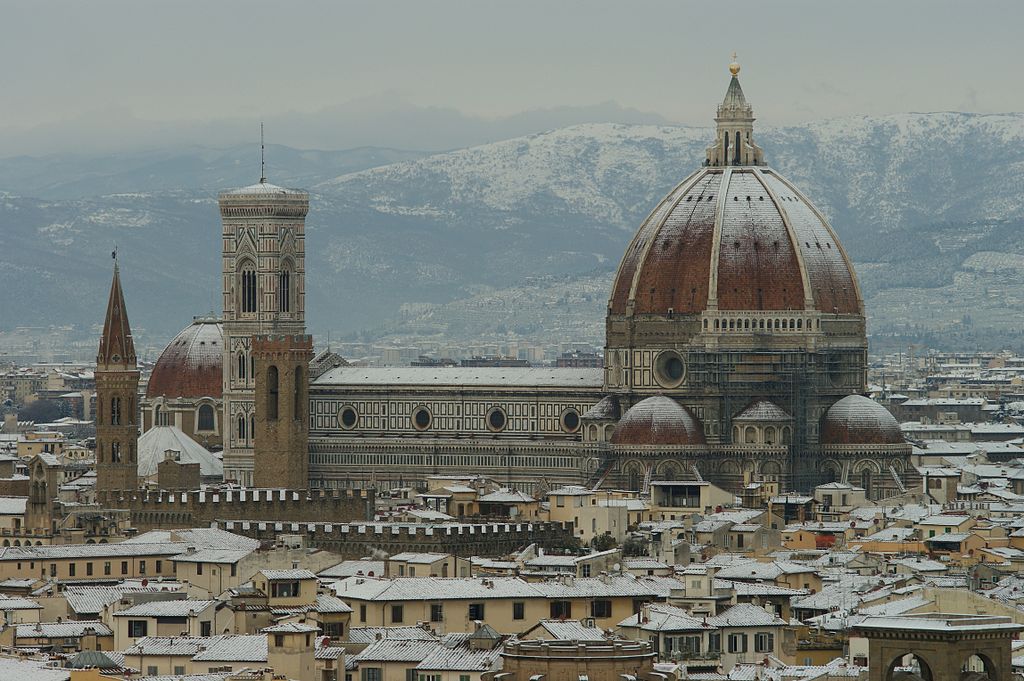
601	609
396	614
124	567
334	629
137	628
152	670
476	611
715	642
737	643
159	566
688	644
371	674
88	569
199	568
764	643
234	570
278	640
284	589
142	567
206	628
585	571
106	568
519	611
561	609
72	569
53	569
437	612
179	670
362	613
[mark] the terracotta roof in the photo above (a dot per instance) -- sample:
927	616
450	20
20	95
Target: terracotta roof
859	420
770	240
192	364
658	420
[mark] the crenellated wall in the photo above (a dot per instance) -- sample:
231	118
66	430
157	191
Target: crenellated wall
165	510
356	540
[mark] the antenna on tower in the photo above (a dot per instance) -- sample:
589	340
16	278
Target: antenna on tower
263	159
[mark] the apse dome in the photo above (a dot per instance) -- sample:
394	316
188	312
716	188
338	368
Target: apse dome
192	364
658	420
859	420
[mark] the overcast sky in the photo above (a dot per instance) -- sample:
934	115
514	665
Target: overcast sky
106	68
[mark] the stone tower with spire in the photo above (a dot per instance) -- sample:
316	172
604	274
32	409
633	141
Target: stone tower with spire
117	389
263	267
734	143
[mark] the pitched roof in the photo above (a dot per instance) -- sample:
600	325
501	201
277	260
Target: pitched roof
116	345
234	648
179	608
745	615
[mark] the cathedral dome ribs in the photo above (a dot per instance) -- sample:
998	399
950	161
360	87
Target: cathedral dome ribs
735	238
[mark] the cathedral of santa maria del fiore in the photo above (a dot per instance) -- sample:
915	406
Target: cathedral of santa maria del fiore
735	353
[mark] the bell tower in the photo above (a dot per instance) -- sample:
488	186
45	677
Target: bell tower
263	277
117	389
281	454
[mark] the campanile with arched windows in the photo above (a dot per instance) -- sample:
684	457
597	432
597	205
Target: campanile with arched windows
117	389
263	277
281	453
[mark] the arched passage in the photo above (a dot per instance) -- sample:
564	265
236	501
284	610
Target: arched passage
908	667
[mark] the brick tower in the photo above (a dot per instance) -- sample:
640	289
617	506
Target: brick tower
281	454
117	389
263	267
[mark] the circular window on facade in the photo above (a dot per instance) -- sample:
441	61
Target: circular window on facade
421	418
570	420
348	417
497	419
669	369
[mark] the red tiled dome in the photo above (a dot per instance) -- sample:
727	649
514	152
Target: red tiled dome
859	420
768	243
658	420
192	364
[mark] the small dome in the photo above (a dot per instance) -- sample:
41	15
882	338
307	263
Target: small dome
192	365
658	420
859	420
762	410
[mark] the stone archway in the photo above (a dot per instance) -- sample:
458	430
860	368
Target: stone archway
978	667
909	667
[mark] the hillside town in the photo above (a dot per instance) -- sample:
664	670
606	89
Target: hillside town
679	579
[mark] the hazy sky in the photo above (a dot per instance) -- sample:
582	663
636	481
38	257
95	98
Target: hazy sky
97	67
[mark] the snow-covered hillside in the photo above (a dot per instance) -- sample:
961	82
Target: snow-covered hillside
913	196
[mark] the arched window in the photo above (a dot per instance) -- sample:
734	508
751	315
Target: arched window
158	415
750	435
284	291
241	428
115	411
115	452
241	365
297	401
738	147
252	426
272	393
205	417
248	289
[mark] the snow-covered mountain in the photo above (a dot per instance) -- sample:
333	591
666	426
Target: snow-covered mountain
918	200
